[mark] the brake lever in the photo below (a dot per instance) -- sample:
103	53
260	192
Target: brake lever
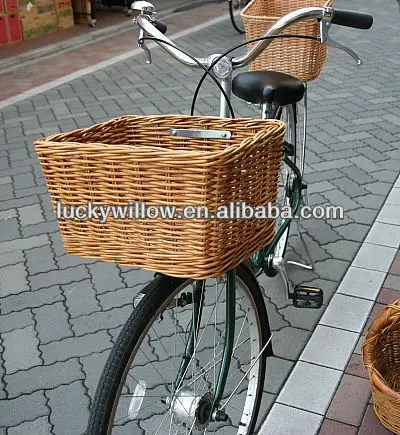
143	46
325	26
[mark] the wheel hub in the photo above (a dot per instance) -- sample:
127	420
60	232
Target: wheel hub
190	410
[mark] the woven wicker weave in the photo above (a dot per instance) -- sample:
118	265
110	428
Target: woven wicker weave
134	158
381	356
300	58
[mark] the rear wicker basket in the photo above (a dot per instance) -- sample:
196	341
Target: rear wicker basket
136	159
300	58
381	356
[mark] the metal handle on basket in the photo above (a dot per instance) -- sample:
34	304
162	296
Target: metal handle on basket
201	134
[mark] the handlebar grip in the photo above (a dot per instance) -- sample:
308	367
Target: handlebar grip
160	25
358	20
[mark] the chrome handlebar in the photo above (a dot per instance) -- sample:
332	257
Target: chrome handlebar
322	14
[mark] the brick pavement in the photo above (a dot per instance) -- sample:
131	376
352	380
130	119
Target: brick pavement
60	314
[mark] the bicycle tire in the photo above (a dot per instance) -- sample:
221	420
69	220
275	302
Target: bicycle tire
156	294
236	21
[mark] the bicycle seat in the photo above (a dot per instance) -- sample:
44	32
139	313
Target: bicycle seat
268	87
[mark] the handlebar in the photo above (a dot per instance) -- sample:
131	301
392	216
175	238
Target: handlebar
325	15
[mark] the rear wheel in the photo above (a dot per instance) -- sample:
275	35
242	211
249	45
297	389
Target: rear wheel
137	392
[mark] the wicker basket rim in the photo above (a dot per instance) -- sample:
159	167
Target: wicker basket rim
145	150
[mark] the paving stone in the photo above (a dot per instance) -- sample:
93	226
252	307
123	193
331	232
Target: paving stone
24	408
105	277
137	277
75	346
321	186
100	320
20	349
343	249
338	198
24	181
320	230
43	377
362	216
289	342
6	190
7	215
353	232
284	420
279	370
80	298
327	175
349	187
332	427
30	299
395	267
332	269
40	260
52	322
93	366
31	214
378	187
40	426
69	409
371	201
23	244
296	317
65	261
385	175
13	280
358	175
310	387
117	298
5	180
65	276
352	389
356	367
40	228
9	230
380	260
371	425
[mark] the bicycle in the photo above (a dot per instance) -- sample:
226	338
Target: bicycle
235	8
206	341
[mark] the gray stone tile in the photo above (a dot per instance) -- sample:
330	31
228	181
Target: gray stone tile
296	317
43	377
31	214
30	299
310	387
65	276
278	370
343	249
52	322
329	347
24	408
384	235
7	215
355	232
106	277
18	320
100	320
289	342
390	214
346	312
11	258
24	181
375	257
40	426
13	280
332	269
394	197
69	409
22	244
40	260
81	298
117	298
284	420
9	229
75	347
137	277
20	349
363	283
362	215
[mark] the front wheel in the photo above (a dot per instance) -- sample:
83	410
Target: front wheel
138	391
235	7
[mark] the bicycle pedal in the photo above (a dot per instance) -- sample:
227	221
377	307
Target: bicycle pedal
307	297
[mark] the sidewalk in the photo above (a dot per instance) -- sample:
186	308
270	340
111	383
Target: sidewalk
60	314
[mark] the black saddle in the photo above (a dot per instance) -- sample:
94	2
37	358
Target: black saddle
268	87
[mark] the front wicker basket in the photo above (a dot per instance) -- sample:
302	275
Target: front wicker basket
300	58
135	159
381	356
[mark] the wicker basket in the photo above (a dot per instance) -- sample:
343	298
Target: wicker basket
381	356
136	159
300	58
